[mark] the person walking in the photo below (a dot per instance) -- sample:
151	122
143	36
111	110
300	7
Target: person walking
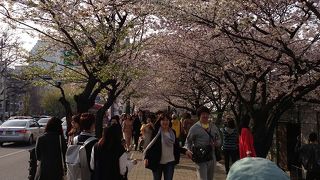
187	123
309	155
202	139
75	130
50	152
147	131
176	126
127	130
87	126
163	152
230	143
114	120
109	159
156	124
138	121
246	147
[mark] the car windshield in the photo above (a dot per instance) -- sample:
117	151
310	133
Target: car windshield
14	124
43	120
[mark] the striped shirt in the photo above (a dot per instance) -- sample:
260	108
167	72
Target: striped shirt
230	139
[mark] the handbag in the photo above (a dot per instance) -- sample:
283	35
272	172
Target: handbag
217	152
204	153
201	153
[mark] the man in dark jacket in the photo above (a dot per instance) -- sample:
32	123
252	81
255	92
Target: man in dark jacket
310	157
138	121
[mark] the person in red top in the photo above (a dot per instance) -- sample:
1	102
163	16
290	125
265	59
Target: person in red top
246	148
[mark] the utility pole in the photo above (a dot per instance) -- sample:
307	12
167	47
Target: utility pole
2	79
4	68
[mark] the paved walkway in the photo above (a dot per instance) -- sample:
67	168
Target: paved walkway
183	171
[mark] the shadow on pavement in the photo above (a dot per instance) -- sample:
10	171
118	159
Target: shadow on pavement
186	167
17	146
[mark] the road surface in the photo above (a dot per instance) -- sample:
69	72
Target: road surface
14	161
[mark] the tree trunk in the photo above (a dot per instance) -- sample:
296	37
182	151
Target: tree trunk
65	103
83	103
68	112
85	99
262	140
219	118
262	133
100	114
265	122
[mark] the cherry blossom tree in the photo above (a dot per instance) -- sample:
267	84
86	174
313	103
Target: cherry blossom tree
95	33
10	55
264	53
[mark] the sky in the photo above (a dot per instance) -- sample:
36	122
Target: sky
27	41
20	31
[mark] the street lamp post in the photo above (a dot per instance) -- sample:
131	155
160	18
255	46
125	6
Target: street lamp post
3	81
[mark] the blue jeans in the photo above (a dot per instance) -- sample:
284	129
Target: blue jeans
205	170
167	169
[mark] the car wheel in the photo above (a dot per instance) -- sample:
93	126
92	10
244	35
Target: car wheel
30	141
1	144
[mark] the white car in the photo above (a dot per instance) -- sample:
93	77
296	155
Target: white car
43	121
20	130
20	117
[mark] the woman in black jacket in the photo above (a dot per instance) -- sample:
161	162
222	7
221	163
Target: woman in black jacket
109	159
163	152
50	152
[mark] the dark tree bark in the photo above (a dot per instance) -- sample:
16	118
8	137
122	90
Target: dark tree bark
100	114
66	104
86	99
113	93
68	112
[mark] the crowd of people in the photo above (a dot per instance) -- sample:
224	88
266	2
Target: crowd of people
162	137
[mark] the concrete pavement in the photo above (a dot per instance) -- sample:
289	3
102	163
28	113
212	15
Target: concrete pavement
14	161
183	171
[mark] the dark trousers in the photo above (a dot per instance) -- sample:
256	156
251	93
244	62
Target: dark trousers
183	138
166	169
313	175
136	140
233	154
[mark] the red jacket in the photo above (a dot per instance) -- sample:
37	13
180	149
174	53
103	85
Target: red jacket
246	147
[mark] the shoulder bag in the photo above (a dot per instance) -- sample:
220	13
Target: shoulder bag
202	153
